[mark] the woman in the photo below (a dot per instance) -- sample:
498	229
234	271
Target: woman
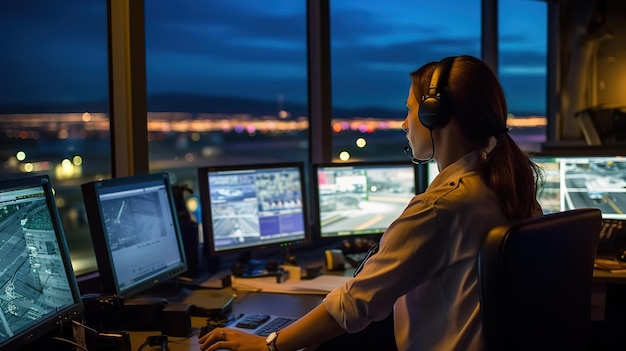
425	267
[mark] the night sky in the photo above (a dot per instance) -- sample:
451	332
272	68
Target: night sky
56	51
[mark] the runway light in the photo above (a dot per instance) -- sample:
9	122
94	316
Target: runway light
344	156
361	142
192	204
21	155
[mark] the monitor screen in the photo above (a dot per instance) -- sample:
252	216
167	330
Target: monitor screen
135	232
433	172
549	192
38	290
251	206
354	199
584	181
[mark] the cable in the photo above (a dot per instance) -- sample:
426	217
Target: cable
156	340
75	344
85	326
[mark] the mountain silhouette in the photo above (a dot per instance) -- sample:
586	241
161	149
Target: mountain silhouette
196	104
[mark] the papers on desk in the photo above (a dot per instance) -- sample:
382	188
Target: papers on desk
320	285
613	266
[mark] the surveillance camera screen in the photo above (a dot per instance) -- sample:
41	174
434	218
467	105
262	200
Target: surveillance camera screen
577	182
362	199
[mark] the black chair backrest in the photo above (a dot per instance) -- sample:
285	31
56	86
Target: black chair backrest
535	281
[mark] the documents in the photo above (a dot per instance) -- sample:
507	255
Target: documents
320	285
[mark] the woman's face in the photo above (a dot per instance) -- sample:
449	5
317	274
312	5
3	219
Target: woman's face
418	136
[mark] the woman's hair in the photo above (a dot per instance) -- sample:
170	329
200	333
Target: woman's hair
479	106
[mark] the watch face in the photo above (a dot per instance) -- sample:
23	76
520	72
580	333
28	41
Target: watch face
271	338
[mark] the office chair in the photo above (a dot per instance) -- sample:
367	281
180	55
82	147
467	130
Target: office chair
535	279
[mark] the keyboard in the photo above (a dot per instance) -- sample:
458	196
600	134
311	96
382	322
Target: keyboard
612	238
258	324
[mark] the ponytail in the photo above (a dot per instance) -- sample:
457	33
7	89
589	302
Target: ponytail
479	105
507	170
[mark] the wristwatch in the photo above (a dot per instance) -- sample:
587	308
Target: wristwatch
270	341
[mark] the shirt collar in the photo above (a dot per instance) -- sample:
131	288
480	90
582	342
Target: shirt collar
468	163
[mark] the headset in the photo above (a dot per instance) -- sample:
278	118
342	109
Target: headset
434	111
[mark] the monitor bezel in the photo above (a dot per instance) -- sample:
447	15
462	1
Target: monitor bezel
418	179
55	320
93	206
206	215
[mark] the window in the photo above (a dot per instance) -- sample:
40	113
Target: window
226	83
54	103
522	69
374	47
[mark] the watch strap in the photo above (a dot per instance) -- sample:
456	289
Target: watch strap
271	341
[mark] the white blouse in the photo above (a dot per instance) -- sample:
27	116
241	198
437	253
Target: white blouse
425	268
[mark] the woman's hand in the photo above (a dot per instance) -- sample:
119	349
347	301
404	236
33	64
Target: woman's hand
230	339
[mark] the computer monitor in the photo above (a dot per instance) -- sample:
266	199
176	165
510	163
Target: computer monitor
584	181
433	172
249	207
549	191
361	199
135	232
595	181
38	289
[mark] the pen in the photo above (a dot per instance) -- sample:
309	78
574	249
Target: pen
370	253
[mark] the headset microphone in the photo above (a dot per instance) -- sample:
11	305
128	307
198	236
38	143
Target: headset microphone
417	161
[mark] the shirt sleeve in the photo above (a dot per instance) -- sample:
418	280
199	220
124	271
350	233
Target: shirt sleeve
411	251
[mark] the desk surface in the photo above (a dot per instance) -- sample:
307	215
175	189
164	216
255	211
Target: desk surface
245	302
606	277
287	305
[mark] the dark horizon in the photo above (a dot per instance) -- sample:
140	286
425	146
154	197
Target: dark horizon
211	104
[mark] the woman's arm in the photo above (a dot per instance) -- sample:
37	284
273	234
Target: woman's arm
312	329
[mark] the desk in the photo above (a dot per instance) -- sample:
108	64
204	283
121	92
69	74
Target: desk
245	302
608	310
613	287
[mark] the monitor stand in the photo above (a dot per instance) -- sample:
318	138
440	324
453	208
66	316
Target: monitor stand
171	290
204	302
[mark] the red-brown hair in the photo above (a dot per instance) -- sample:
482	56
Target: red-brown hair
479	105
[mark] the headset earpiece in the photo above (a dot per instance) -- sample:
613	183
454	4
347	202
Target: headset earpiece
434	111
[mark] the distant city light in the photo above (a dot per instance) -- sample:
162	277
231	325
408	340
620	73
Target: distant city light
86	117
361	142
66	169
344	156
192	204
12	162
